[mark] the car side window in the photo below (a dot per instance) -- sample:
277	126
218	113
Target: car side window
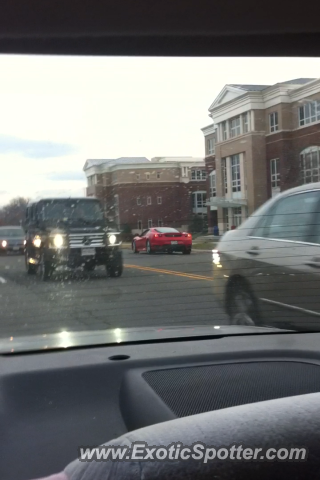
291	218
143	234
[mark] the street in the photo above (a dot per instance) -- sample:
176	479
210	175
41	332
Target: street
158	290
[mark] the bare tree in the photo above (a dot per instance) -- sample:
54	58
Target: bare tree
14	212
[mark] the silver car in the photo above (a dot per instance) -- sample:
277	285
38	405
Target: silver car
12	239
267	271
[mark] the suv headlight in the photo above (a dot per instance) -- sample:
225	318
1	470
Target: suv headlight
112	239
58	240
37	241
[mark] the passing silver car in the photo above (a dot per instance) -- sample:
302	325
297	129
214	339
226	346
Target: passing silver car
267	271
12	239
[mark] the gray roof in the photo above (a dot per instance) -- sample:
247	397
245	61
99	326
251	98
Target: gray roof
124	160
250	88
259	88
53	199
116	161
299	81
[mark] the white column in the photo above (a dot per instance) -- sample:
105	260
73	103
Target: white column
251	125
230	217
242	176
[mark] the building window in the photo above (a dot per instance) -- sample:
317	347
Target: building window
310	165
237	216
199	200
158	176
198	175
147	176
149	223
224	131
235	173
309	113
160	223
138	176
138	201
235	128
159	200
114	176
92	180
224	174
210	146
245	122
213	186
273	122
275	172
139	224
148	200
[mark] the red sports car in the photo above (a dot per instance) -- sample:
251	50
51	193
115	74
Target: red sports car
162	239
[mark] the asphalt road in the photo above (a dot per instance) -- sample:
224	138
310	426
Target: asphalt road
158	290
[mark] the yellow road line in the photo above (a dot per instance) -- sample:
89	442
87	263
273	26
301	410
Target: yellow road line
193	276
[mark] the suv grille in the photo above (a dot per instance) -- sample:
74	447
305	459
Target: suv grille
80	240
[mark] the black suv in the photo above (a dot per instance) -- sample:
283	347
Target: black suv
70	232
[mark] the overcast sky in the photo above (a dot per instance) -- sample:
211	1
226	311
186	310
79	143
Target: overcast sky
55	112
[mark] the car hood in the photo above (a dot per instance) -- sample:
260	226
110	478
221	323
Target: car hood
68	339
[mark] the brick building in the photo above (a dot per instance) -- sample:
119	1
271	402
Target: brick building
266	139
141	193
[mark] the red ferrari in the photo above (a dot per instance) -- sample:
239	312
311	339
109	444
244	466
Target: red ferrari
162	239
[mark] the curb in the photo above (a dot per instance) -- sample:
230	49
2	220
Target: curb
201	251
194	250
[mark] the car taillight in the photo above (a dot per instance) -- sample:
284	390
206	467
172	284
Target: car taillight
158	235
187	235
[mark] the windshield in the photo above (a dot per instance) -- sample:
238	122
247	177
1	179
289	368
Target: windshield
71	210
160	196
167	230
11	232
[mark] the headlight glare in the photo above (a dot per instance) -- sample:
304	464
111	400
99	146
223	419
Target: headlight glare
112	239
37	241
58	240
4	243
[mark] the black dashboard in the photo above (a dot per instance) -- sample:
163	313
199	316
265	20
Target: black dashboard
53	403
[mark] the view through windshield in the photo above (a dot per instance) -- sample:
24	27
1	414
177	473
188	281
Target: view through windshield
69	210
158	195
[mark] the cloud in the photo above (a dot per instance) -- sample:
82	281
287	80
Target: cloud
66	176
34	148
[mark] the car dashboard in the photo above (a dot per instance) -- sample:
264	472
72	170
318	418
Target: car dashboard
52	403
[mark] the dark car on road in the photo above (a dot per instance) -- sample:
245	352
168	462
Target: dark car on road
70	232
267	271
12	239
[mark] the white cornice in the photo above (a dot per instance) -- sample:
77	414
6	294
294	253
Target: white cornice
209	129
249	101
148	167
226	89
306	90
